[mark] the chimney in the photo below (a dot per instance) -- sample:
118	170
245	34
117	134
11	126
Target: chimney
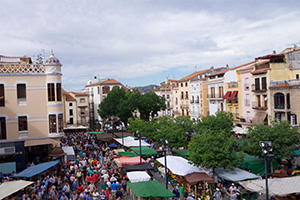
274	51
227	66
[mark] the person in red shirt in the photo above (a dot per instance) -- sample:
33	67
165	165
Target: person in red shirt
88	179
95	178
79	189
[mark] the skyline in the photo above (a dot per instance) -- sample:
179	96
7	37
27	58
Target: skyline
142	42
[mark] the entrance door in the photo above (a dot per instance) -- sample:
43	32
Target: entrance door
258	101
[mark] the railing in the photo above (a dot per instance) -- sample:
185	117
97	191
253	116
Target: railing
233	101
212	96
184	106
257	88
22	68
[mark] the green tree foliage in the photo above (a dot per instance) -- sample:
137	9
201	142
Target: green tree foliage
212	149
214	146
283	136
220	121
150	103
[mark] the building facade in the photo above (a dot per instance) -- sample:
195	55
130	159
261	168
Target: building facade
31	109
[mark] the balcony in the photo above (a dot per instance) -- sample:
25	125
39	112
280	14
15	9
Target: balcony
233	101
22	69
257	88
83	113
233	85
184	106
259	106
214	97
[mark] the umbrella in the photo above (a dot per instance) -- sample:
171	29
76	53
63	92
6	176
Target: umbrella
113	146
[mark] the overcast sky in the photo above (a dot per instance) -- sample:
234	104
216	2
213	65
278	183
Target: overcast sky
143	42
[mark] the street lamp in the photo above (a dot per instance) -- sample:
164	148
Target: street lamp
266	147
138	137
122	125
165	149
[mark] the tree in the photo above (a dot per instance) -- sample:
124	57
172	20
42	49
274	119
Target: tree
149	104
283	136
212	149
220	121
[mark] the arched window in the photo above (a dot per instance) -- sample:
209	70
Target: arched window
288	104
279	101
105	89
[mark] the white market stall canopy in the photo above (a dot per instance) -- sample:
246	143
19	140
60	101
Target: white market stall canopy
138	176
234	175
180	166
131	142
11	187
70	154
277	186
239	130
75	127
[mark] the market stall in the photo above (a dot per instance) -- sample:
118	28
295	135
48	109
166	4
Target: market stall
138	167
234	175
197	177
128	154
8	188
149	189
180	166
124	160
131	142
145	150
138	176
70	154
105	137
181	152
36	169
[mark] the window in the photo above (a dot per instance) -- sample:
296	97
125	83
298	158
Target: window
71	112
294	120
98	90
288	105
70	104
181	84
52	123
186	95
82	111
279	101
168	96
264	83
51	94
168	104
212	92
2	99
2	128
21	91
60	123
163	96
257	86
247	99
278	117
82	100
22	123
58	91
186	84
71	120
221	93
297	76
182	95
247	83
197	101
82	120
248	116
237	112
176	101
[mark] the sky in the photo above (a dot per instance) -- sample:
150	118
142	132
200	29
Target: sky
141	42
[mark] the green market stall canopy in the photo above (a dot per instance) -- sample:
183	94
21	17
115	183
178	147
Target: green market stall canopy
145	150
181	152
128	154
148	189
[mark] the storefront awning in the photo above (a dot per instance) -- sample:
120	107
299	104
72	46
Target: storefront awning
259	117
233	95
54	142
234	175
36	169
8	188
197	177
227	95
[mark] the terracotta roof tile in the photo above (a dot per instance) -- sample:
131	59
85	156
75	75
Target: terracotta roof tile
221	72
194	74
68	96
106	82
79	94
284	84
260	71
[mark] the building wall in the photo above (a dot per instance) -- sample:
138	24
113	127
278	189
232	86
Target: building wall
216	103
195	100
184	101
204	103
176	103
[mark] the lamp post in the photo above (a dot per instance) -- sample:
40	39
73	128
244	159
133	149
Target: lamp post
266	147
165	149
138	137
122	133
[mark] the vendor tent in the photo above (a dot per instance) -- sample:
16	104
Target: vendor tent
234	175
181	152
138	176
129	160
114	146
197	177
8	188
117	151
131	142
70	154
180	166
36	169
128	154
75	128
145	150
96	132
138	167
148	189
277	186
105	137
119	134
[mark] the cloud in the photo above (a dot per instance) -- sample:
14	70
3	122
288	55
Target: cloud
135	40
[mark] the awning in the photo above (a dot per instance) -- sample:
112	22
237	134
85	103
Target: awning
129	160
277	186
57	152
81	106
145	150
139	167
259	117
148	189
128	154
197	177
227	95
8	188
234	175
36	169
131	142
181	152
117	151
180	166
96	132
75	127
138	176
45	141
70	152
125	134
105	137
234	93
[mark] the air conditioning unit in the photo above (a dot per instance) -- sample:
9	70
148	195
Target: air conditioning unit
7	150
